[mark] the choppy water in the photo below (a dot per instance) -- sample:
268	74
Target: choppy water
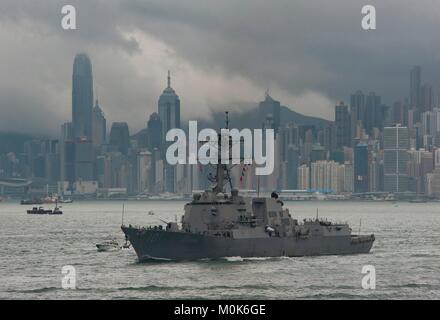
33	250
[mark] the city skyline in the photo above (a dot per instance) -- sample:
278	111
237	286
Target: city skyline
218	58
370	148
353	153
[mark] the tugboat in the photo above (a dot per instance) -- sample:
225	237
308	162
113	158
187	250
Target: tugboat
41	210
219	223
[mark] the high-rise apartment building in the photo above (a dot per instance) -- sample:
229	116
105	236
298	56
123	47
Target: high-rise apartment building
361	168
396	144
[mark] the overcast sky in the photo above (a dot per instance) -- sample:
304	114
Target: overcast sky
221	53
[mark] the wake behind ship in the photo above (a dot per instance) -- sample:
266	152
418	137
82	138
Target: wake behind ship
218	224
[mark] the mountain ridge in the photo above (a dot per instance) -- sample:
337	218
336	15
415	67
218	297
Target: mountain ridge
252	119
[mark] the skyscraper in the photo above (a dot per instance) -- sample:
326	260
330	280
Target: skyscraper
327	137
288	135
396	143
303	177
67	153
84	160
143	169
292	166
429	122
343	126
327	176
426	97
361	168
99	126
82	105
82	97
399	114
437	159
415	83
120	137
169	109
373	113
357	112
154	132
169	114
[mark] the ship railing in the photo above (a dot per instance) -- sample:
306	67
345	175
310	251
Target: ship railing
325	222
146	227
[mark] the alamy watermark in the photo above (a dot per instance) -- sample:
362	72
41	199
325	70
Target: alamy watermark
369	19
252	143
68	280
369	280
68	21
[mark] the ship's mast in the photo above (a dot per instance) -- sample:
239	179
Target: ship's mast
222	170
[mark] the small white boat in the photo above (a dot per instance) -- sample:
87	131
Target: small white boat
108	245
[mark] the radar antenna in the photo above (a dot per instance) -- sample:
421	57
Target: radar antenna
222	172
222	175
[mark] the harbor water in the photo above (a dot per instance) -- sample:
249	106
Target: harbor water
34	249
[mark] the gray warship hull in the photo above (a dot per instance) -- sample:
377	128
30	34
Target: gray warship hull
163	245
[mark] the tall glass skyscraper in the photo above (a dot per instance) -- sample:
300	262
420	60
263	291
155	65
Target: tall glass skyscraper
82	97
169	109
169	114
82	106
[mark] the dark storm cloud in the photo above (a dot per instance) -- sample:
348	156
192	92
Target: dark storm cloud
302	45
310	54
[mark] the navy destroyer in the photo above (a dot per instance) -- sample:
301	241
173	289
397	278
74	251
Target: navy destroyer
218	224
